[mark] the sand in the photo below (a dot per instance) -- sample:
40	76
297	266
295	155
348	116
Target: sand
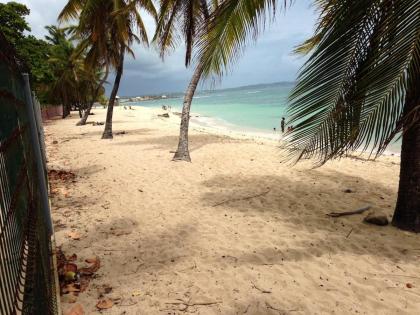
234	232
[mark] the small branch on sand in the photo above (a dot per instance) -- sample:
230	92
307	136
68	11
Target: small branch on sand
268	306
259	289
340	214
128	304
189	304
244	198
135	271
348	234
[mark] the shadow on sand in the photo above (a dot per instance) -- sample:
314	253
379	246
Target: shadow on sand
116	132
301	206
171	142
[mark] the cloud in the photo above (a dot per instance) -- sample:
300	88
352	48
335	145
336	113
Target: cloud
267	60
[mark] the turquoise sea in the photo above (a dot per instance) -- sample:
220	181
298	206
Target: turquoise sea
257	107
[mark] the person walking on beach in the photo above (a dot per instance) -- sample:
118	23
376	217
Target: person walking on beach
283	124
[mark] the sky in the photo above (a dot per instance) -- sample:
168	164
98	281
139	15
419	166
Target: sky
266	61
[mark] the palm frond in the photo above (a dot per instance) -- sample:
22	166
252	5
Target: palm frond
166	37
180	18
71	10
352	90
231	26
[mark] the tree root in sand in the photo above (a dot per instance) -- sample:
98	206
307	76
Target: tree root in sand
244	198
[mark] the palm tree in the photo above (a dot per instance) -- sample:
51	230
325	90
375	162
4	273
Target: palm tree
75	83
359	88
108	28
65	66
185	17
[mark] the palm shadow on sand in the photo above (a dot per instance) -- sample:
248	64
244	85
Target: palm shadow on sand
170	143
285	203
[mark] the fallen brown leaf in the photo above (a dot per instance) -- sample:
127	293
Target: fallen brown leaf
104	289
84	283
72	287
72	257
76	310
104	304
95	264
74	235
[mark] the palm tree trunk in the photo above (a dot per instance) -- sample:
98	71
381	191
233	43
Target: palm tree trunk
107	134
86	114
66	110
79	107
182	153
407	212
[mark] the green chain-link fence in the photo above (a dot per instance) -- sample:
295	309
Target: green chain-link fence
27	277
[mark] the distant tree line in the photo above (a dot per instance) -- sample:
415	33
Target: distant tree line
56	64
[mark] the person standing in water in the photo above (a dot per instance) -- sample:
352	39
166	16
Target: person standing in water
283	124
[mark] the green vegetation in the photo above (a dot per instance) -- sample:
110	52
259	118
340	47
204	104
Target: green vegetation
56	65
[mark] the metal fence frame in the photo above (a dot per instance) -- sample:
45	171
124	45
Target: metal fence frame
28	277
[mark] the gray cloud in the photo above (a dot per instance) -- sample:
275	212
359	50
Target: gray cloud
269	60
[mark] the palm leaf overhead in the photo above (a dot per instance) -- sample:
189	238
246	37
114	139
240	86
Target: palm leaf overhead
102	24
232	25
351	92
180	19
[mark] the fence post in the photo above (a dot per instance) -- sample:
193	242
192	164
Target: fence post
38	156
40	128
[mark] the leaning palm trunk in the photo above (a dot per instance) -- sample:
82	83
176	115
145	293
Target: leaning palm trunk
107	134
86	114
407	212
182	153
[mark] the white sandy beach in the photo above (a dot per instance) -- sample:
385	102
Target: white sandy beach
234	232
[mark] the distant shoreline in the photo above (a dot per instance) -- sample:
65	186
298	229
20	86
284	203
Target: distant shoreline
170	95
219	126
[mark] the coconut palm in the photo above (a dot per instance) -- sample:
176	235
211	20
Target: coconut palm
66	67
108	28
359	88
182	18
76	84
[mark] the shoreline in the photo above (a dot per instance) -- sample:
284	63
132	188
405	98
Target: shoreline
219	126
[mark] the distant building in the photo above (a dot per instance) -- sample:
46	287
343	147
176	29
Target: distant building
163	96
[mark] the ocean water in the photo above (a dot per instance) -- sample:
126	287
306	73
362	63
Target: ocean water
256	108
